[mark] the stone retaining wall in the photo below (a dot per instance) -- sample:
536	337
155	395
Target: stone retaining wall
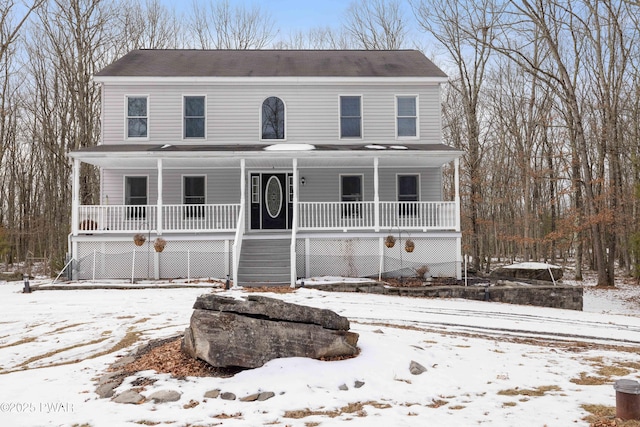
559	296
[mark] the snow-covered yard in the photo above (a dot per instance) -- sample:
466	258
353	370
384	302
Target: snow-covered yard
487	363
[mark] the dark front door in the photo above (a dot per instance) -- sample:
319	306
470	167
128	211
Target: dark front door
270	201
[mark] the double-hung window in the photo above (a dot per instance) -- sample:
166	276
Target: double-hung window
407	116
194	116
273	118
194	194
350	193
135	196
137	118
350	117
408	191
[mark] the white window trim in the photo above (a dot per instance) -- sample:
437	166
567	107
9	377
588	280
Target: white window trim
286	131
124	187
206	121
191	175
126	117
406	138
255	195
351	138
398	175
361	175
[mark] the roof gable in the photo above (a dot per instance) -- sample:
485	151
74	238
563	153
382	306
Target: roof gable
272	63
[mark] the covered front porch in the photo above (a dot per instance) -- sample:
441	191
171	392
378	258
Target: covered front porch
284	191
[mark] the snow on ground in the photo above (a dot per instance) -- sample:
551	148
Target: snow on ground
487	363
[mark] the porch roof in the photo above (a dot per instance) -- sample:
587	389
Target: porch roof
145	156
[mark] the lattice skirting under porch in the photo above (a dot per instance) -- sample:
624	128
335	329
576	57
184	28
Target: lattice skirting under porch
316	256
368	257
179	260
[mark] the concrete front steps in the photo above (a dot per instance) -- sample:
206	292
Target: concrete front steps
265	261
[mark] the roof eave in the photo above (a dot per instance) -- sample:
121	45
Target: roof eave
136	80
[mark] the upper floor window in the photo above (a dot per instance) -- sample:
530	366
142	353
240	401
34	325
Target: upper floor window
350	117
137	118
194	116
273	118
407	116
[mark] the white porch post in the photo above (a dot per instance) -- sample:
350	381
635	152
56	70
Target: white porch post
456	178
75	198
294	223
243	182
237	243
75	211
159	219
456	164
376	194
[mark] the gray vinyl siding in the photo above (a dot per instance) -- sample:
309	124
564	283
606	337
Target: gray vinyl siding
233	112
323	185
113	185
222	185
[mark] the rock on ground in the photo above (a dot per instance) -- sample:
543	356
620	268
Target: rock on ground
226	332
163	396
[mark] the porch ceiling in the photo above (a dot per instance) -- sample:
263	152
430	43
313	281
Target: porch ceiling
228	156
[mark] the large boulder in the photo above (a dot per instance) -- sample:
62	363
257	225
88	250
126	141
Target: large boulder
529	271
227	332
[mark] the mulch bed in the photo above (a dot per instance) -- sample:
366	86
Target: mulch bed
167	357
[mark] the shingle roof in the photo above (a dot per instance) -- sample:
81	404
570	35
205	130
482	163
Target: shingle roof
272	63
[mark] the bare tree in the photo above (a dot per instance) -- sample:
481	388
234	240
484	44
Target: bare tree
149	25
219	26
317	38
551	19
9	28
451	22
66	46
377	24
13	17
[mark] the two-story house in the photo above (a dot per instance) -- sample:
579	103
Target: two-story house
267	166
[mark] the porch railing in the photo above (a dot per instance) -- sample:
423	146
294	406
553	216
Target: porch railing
176	218
361	215
336	215
116	218
418	215
224	217
200	217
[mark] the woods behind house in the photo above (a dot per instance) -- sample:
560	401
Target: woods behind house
543	97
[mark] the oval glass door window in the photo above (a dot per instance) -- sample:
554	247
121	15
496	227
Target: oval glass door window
273	196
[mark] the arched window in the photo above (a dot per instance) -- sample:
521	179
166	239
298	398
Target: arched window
273	118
